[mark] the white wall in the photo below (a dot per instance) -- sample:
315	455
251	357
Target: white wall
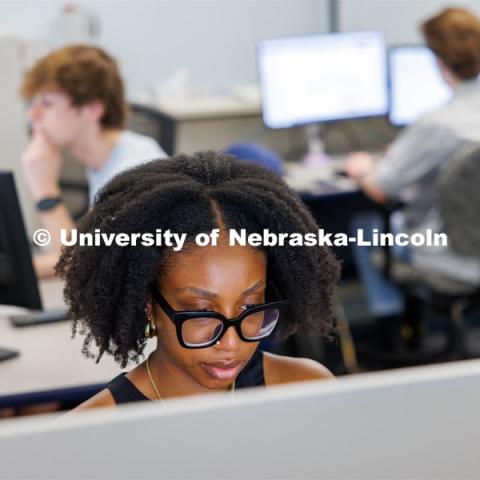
398	19
215	39
13	134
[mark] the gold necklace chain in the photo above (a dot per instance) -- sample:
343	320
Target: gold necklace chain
155	388
152	382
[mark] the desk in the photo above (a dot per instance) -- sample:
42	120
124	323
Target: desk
51	365
194	123
332	200
319	180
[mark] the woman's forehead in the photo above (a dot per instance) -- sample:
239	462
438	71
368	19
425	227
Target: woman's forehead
215	267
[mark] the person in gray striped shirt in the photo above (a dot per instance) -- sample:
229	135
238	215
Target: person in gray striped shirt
409	169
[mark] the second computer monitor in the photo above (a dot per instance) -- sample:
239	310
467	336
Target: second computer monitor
416	85
322	78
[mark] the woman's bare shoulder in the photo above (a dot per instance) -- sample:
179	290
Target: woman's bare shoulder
102	399
279	369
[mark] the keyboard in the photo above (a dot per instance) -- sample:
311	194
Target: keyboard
6	354
39	318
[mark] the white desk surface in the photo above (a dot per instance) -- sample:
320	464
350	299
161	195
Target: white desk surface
49	359
204	107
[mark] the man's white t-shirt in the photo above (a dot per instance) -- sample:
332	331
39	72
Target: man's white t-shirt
132	149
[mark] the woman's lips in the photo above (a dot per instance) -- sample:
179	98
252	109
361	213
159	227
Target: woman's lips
223	370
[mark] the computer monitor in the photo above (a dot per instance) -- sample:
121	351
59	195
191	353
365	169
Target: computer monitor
322	78
416	85
18	283
411	423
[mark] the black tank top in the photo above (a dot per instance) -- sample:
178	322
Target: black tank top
124	391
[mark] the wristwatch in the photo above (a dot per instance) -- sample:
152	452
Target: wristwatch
46	204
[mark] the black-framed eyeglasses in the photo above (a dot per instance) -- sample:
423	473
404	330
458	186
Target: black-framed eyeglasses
202	329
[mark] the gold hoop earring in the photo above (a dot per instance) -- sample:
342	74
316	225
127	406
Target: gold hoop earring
150	327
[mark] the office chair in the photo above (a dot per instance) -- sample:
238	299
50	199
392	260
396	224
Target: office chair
458	200
429	296
154	123
256	153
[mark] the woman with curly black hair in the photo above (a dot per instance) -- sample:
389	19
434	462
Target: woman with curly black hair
207	306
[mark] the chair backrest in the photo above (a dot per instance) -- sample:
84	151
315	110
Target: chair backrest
256	153
458	200
154	123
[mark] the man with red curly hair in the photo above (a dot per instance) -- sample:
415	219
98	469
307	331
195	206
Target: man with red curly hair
77	104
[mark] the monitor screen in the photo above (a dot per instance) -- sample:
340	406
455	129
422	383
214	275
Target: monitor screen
18	283
416	85
322	78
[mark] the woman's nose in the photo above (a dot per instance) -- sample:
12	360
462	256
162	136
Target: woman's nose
230	341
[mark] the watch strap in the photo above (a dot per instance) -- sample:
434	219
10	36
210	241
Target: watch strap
46	204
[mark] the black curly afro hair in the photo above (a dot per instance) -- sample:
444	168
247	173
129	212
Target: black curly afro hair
107	287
